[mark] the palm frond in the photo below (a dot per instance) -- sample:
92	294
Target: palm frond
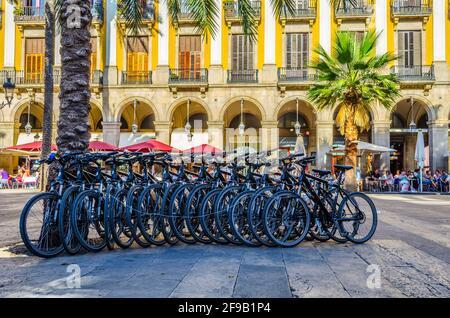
132	12
205	13
247	14
283	8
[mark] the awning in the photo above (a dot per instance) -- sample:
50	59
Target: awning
151	145
365	146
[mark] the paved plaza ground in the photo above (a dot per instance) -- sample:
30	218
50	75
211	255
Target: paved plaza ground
411	250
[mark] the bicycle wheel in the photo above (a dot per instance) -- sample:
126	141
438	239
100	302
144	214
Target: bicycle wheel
38	226
286	219
167	231
132	209
69	240
120	231
192	212
149	220
255	215
221	213
357	217
238	217
86	219
177	207
207	219
109	196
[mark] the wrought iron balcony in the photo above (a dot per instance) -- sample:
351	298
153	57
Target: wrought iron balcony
137	78
232	10
188	76
362	9
304	10
29	78
415	73
411	8
295	74
185	14
32	15
242	76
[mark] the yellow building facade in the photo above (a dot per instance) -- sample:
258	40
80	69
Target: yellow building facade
149	85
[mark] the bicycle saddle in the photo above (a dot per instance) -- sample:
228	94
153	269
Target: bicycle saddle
342	167
322	172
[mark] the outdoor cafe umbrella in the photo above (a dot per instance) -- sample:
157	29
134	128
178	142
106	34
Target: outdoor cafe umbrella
101	146
149	146
420	156
35	146
204	149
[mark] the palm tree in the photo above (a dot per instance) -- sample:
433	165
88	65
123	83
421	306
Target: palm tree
352	79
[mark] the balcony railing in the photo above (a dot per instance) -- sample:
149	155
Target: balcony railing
29	14
361	9
188	76
232	9
242	76
24	78
295	74
304	9
137	78
411	7
414	73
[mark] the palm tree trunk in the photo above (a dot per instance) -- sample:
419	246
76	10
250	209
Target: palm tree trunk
48	91
75	21
351	149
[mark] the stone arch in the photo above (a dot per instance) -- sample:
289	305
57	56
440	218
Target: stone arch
127	101
229	102
423	100
182	101
284	106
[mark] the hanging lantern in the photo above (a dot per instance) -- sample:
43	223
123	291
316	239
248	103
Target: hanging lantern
242	125
297	125
188	127
28	126
134	126
412	125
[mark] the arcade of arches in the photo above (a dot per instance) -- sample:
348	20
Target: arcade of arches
138	120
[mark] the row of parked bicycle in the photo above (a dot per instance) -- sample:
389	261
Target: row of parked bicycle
100	200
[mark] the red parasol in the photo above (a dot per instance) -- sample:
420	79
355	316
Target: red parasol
35	146
205	148
151	145
101	146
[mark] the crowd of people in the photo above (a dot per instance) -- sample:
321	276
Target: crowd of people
408	181
23	178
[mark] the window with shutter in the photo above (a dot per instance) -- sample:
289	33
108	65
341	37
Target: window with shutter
242	55
34	60
297	54
137	58
189	56
410	48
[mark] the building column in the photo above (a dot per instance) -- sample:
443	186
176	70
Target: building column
111	72
215	71
111	132
215	132
269	71
7	134
325	27
438	141
10	26
381	26
269	135
324	139
161	75
381	137
163	130
441	68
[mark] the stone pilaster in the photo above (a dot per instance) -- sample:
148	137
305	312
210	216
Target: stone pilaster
215	132
324	139
111	132
163	130
381	137
438	139
269	135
